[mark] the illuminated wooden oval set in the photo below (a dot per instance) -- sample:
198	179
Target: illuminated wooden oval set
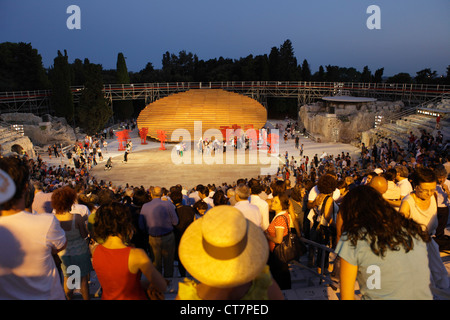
215	108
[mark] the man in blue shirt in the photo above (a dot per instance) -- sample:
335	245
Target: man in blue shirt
159	217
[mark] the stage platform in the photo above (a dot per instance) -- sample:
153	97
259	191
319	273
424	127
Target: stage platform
149	166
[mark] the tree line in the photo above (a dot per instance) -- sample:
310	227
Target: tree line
21	68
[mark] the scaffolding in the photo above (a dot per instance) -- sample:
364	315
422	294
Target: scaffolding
38	101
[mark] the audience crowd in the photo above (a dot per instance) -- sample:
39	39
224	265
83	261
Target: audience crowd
309	193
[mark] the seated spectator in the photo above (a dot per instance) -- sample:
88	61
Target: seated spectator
113	223
227	255
28	241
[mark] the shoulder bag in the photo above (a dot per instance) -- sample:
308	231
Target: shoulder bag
291	248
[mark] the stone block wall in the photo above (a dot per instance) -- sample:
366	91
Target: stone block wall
347	123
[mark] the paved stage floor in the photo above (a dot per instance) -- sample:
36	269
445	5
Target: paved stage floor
149	166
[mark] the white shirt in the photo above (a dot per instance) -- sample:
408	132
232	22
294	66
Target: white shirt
315	192
81	209
209	201
194	195
442	197
27	268
392	192
263	207
405	187
250	212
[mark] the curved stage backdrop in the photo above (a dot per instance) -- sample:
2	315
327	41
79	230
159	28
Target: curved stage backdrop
215	108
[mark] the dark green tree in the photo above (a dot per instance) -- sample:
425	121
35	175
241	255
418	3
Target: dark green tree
378	76
289	70
447	77
93	111
306	71
60	78
366	75
21	68
261	64
425	76
332	73
319	75
77	71
348	75
401	77
123	109
274	64
122	70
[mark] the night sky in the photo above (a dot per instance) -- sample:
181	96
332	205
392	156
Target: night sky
414	35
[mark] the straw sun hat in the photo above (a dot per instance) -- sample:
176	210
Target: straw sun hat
223	249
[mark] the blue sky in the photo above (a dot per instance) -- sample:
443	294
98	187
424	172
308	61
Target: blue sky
414	34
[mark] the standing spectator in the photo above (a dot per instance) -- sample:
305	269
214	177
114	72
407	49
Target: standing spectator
393	191
375	235
186	216
275	233
297	199
323	230
219	198
140	236
28	241
250	211
194	196
421	206
204	192
77	251
160	218
255	189
42	202
403	183
113	225
443	197
227	255
231	195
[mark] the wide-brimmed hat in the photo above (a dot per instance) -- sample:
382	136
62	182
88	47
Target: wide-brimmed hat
223	249
7	187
